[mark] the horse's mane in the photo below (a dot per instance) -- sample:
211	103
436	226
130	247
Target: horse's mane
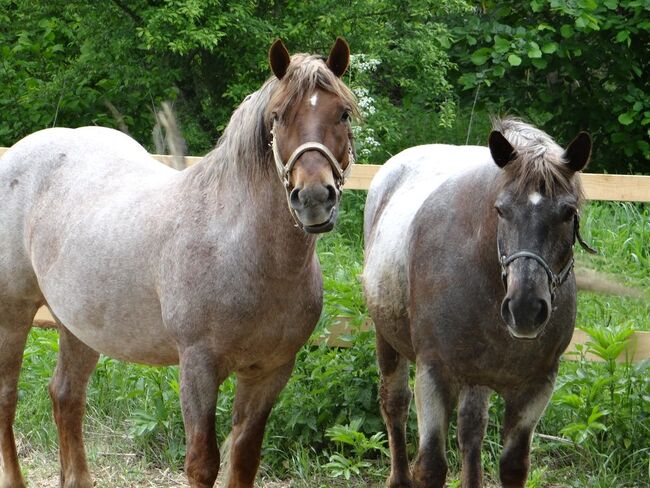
539	161
243	148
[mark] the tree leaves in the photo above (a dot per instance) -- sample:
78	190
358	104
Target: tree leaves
514	60
580	68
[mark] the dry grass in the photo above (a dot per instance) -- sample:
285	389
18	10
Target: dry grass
109	470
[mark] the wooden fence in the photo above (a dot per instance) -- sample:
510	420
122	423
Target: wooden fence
626	188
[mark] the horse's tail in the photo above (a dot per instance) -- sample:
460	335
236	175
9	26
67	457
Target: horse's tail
595	281
172	139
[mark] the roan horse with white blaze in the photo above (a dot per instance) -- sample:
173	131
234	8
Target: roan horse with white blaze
205	267
468	274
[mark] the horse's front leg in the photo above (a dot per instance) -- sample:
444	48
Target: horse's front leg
256	394
472	422
524	408
435	398
74	366
200	375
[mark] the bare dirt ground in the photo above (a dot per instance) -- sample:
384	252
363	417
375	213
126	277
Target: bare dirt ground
111	470
124	473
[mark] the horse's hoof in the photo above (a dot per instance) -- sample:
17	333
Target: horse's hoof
398	483
81	482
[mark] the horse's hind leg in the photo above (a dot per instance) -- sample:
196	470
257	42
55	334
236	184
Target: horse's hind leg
472	422
15	322
394	398
524	408
256	395
75	364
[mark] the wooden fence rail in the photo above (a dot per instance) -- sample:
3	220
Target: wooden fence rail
625	188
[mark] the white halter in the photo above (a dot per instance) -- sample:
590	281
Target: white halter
284	170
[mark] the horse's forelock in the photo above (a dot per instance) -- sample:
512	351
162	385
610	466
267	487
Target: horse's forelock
539	161
305	74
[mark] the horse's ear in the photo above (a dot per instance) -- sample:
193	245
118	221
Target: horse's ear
339	57
279	59
501	150
578	152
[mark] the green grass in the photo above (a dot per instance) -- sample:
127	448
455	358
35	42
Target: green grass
135	409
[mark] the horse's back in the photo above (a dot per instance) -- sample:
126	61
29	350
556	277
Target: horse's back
396	194
65	169
40	154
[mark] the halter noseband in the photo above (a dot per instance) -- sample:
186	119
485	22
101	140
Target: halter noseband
284	170
554	280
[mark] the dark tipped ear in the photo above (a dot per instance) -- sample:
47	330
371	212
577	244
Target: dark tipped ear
279	59
501	150
339	57
578	152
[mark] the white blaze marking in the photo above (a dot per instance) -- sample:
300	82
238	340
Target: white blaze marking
313	99
535	198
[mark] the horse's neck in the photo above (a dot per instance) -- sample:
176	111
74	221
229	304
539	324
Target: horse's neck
260	210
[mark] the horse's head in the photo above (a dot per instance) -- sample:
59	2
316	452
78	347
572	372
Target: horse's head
537	226
309	117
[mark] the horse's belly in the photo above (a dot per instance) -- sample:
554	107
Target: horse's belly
129	330
139	339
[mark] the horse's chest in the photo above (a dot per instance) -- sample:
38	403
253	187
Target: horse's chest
498	361
249	318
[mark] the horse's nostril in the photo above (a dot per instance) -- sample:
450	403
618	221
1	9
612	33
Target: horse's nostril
506	313
294	198
332	195
311	196
542	314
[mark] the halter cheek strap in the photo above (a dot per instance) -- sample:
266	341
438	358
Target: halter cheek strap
284	170
554	280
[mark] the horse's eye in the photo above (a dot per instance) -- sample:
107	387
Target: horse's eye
345	116
568	212
499	210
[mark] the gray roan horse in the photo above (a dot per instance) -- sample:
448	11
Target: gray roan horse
213	268
468	274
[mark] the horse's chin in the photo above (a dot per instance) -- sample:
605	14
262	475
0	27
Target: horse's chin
528	336
320	228
324	226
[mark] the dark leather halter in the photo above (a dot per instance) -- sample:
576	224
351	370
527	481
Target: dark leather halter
554	280
284	170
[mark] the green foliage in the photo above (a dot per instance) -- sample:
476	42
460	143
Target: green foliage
566	66
64	62
352	449
604	406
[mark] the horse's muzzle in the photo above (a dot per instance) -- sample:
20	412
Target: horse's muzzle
525	317
316	207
